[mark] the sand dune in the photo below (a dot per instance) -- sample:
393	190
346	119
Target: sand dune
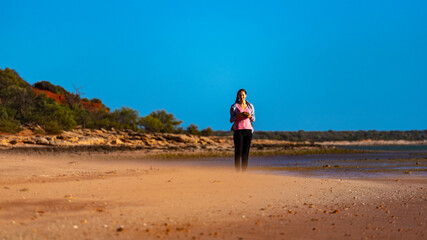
88	197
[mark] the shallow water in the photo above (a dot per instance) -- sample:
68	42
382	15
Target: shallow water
388	147
396	161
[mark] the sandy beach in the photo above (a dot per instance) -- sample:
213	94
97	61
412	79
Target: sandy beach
72	196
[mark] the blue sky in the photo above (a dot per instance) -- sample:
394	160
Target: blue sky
310	65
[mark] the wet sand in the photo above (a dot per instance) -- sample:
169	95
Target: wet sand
70	196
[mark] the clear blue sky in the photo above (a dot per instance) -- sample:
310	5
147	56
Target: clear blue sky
311	65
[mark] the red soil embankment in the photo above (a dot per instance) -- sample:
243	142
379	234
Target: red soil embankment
60	98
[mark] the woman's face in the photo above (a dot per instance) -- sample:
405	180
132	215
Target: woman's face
242	96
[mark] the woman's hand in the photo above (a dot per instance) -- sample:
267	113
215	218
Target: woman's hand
240	116
243	115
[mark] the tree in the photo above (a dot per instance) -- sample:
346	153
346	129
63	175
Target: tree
207	131
7	121
72	99
21	100
82	116
160	121
193	129
151	124
52	116
126	117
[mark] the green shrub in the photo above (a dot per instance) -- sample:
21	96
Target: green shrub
52	127
47	110
6	113
21	100
45	85
160	121
8	123
9	77
96	100
39	131
10	126
82	116
125	118
193	129
151	124
207	131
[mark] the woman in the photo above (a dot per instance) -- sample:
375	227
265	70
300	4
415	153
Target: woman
242	114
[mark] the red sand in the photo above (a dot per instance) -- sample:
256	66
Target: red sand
88	197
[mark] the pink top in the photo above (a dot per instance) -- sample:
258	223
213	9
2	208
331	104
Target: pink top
243	123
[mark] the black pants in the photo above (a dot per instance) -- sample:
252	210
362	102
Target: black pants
242	143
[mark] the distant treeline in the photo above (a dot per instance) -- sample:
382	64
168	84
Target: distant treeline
323	136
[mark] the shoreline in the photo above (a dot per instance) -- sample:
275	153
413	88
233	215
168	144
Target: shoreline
155	153
166	145
372	143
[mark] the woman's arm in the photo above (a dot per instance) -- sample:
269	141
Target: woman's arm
252	113
233	114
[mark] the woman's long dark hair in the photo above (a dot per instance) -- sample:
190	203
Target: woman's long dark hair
237	97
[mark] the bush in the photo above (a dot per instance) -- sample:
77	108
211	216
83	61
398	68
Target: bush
82	116
160	121
9	77
45	85
52	127
6	113
125	118
9	126
193	129
7	121
151	124
72	99
39	131
21	100
96	100
47	111
207	131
